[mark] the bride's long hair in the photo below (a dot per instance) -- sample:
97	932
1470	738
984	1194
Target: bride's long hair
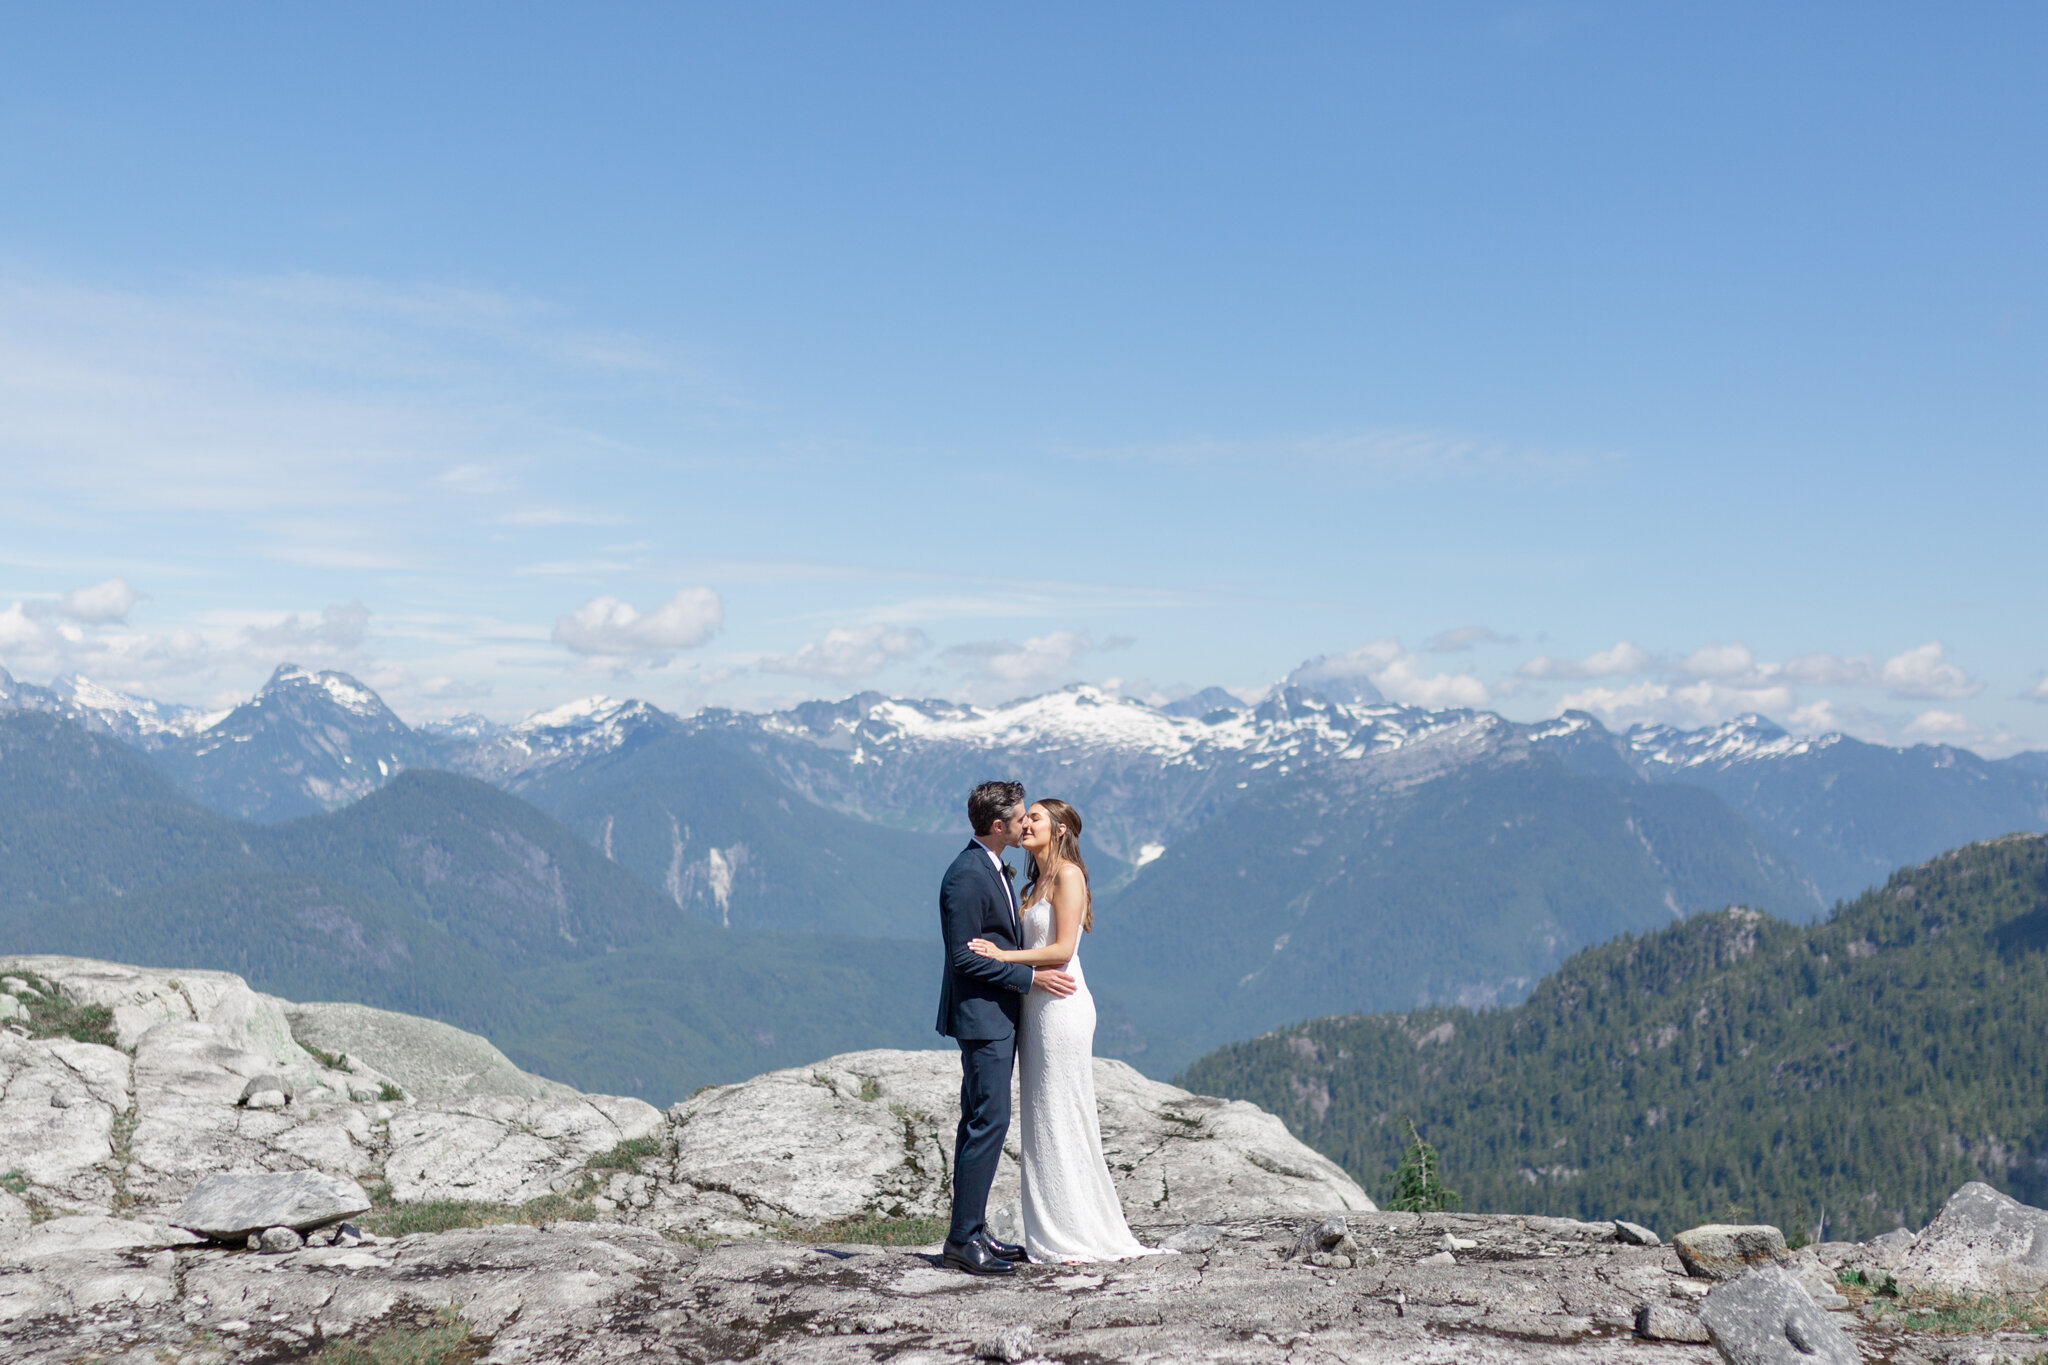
1065	848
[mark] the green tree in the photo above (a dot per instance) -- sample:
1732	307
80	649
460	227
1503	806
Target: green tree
1419	1183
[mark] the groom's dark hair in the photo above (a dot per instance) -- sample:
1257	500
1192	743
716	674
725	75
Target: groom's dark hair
991	801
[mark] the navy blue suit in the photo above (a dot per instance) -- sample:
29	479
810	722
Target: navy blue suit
979	1004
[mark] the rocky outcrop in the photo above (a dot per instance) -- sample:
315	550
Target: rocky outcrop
204	1075
870	1134
428	1059
1981	1242
698	1247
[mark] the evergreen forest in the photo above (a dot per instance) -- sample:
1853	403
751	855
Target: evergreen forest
1837	1079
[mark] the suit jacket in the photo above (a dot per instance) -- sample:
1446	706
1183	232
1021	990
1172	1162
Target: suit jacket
981	997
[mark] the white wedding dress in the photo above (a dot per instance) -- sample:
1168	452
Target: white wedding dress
1071	1211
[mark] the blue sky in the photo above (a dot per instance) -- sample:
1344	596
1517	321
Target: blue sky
1672	362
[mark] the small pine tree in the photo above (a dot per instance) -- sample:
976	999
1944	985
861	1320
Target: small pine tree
1419	1184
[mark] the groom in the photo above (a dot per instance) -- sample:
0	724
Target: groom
979	1005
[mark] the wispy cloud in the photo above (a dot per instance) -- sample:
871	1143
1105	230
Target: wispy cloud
848	654
1463	639
1725	679
1041	661
1393	454
1623	657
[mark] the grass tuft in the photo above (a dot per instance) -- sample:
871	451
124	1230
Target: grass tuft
444	1215
441	1339
628	1155
52	1015
1945	1314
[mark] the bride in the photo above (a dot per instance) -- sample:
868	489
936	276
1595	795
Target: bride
1071	1211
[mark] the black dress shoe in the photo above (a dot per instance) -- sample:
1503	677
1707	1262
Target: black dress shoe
1008	1251
976	1259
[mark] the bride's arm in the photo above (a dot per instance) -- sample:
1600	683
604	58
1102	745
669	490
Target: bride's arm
1069	894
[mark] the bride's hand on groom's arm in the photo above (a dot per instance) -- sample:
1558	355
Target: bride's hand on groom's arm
981	947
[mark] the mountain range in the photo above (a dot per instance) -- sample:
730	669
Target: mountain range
1320	851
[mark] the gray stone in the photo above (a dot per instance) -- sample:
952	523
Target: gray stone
1195	1237
1012	1343
1981	1242
1635	1234
267	1085
1726	1251
1331	1236
11	1008
230	1206
1765	1318
1662	1322
275	1240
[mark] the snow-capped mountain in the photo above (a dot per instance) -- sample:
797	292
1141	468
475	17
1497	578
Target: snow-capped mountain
565	735
306	742
104	710
1146	776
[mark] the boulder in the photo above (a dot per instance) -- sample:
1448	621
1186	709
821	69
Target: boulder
1725	1251
1766	1318
1662	1322
231	1206
1635	1234
1981	1242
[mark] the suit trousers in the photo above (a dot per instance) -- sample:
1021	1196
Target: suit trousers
985	1065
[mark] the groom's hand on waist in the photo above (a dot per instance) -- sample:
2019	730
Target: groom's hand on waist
1052	981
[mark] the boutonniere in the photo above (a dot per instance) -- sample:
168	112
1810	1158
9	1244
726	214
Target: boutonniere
1009	873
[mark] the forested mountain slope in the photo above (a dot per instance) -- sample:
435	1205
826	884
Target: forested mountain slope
1843	1077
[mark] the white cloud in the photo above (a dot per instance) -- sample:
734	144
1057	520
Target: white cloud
846	654
1925	673
1405	682
1815	718
99	604
1933	724
1462	639
1717	661
1624	657
1038	661
2039	691
605	627
1688	705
